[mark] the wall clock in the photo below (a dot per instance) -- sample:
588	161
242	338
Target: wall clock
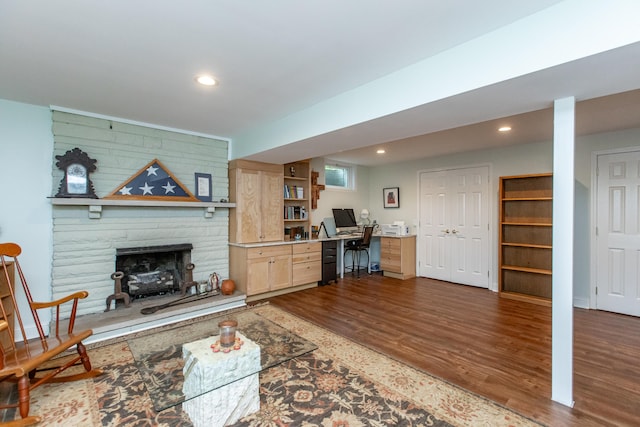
77	166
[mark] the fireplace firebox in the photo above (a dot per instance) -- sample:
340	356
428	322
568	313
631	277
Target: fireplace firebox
153	270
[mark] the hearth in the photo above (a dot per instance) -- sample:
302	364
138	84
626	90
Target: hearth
153	270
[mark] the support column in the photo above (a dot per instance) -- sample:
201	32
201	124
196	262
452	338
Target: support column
562	264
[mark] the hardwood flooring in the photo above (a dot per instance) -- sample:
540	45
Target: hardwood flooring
495	347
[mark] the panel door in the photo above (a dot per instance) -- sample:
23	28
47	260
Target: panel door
454	226
618	233
248	205
434	245
469	227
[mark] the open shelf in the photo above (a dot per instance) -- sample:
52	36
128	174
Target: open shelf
525	248
297	198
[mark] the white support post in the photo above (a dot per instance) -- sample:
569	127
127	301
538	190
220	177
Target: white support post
562	264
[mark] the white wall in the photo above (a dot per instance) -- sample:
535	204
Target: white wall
514	160
26	147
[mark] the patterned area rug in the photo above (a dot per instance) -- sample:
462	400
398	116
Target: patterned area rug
339	384
159	355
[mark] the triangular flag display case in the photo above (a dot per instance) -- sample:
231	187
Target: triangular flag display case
152	182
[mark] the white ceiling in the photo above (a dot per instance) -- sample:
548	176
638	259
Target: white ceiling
137	60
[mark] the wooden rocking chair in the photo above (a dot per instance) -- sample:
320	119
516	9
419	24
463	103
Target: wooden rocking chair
20	358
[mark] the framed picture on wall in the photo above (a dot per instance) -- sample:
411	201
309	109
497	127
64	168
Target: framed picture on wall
391	197
203	187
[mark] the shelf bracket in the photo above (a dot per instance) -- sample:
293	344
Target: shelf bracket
95	211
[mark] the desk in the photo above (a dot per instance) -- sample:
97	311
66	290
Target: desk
341	238
375	252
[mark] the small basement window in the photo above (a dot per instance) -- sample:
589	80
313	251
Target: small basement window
339	176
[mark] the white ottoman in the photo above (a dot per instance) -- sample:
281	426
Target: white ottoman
220	388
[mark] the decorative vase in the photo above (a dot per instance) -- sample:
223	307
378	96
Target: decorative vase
227	287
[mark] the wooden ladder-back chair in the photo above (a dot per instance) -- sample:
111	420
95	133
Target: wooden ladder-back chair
20	357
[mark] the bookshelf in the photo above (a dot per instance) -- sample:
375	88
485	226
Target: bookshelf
297	197
526	203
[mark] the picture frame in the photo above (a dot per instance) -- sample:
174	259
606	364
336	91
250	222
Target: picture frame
203	186
391	197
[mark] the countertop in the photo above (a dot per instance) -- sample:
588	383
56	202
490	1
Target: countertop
296	242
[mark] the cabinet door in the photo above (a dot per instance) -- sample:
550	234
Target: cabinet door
249	188
258	275
272	222
280	272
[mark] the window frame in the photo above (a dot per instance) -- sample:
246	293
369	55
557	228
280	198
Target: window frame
351	176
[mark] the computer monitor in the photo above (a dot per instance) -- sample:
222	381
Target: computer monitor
345	220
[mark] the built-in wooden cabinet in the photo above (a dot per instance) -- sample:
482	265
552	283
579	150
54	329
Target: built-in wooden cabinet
297	199
525	237
256	190
5	298
306	263
398	256
261	269
273	268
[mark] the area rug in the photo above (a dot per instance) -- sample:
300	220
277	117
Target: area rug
339	384
159	358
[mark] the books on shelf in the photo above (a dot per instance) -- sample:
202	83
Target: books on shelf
293	192
295	212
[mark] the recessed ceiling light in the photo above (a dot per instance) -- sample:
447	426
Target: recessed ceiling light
504	129
206	80
380	151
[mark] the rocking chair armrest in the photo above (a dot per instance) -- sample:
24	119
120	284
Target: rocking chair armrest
73	296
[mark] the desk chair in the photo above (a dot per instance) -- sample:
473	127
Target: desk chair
357	247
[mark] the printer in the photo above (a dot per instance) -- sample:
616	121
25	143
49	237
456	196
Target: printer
398	228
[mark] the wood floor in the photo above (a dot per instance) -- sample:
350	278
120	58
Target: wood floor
498	348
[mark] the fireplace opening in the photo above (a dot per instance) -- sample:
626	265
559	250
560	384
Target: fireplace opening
153	270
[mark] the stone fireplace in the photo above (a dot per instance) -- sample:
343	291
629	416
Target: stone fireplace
89	238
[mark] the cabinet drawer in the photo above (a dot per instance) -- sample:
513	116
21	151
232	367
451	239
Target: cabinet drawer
330	252
391	262
303	248
307	272
306	257
268	251
389	244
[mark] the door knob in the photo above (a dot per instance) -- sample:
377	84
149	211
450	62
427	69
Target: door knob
454	231
446	231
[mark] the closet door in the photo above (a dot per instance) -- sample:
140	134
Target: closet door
618	228
454	225
434	229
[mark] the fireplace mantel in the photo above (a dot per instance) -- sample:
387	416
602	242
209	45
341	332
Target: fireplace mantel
95	205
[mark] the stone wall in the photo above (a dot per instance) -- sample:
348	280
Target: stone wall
84	249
